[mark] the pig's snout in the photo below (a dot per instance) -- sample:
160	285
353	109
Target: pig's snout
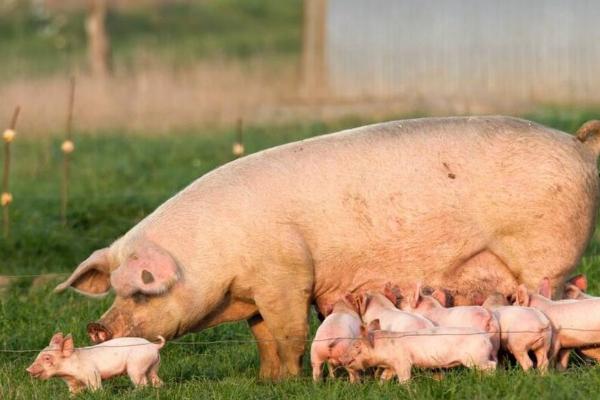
34	370
98	333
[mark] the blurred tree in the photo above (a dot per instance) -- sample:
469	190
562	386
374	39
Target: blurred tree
98	40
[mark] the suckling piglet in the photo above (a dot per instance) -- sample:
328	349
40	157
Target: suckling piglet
576	323
433	308
437	347
333	338
522	329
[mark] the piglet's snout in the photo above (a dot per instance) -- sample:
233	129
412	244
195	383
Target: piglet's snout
98	333
34	370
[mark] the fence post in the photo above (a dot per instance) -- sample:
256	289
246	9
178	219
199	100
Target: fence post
238	149
67	148
8	136
314	71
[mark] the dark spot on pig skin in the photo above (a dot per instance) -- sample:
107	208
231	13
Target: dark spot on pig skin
147	277
451	175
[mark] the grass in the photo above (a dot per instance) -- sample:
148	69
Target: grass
117	180
37	41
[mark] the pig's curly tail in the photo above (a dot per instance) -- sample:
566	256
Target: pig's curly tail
588	134
162	342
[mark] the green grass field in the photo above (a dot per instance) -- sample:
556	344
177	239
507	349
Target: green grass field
118	179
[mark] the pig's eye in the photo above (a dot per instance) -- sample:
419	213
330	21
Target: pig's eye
47	358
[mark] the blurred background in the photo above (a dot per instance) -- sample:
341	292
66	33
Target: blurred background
155	66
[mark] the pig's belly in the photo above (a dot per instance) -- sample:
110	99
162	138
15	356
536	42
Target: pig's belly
450	254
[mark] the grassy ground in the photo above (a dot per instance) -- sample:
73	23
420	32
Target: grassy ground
37	41
117	180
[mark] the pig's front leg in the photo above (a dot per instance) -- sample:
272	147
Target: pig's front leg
563	359
403	370
74	385
354	375
284	308
94	382
270	364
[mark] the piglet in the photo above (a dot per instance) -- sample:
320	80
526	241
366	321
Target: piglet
382	306
433	308
86	367
522	329
576	323
575	289
333	338
438	347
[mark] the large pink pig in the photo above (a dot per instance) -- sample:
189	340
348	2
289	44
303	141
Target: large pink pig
472	204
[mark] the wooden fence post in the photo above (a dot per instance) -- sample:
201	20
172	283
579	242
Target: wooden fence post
67	148
314	70
8	136
238	149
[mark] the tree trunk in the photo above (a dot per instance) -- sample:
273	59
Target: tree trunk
98	40
313	48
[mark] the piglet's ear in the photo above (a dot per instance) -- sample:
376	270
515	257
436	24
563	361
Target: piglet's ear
375	325
389	293
544	289
350	299
363	303
522	296
580	281
57	340
572	291
416	296
149	270
440	296
68	346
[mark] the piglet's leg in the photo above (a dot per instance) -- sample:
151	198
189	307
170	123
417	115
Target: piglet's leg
403	372
95	381
153	375
75	386
137	375
541	355
523	359
354	375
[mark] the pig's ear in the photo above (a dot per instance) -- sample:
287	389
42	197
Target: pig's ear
57	340
416	296
440	296
91	277
148	270
363	303
68	346
374	325
580	281
571	291
522	297
352	302
389	293
544	289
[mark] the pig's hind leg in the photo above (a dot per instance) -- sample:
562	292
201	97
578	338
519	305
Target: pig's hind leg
153	374
137	375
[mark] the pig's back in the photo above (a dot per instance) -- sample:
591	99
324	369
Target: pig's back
423	194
